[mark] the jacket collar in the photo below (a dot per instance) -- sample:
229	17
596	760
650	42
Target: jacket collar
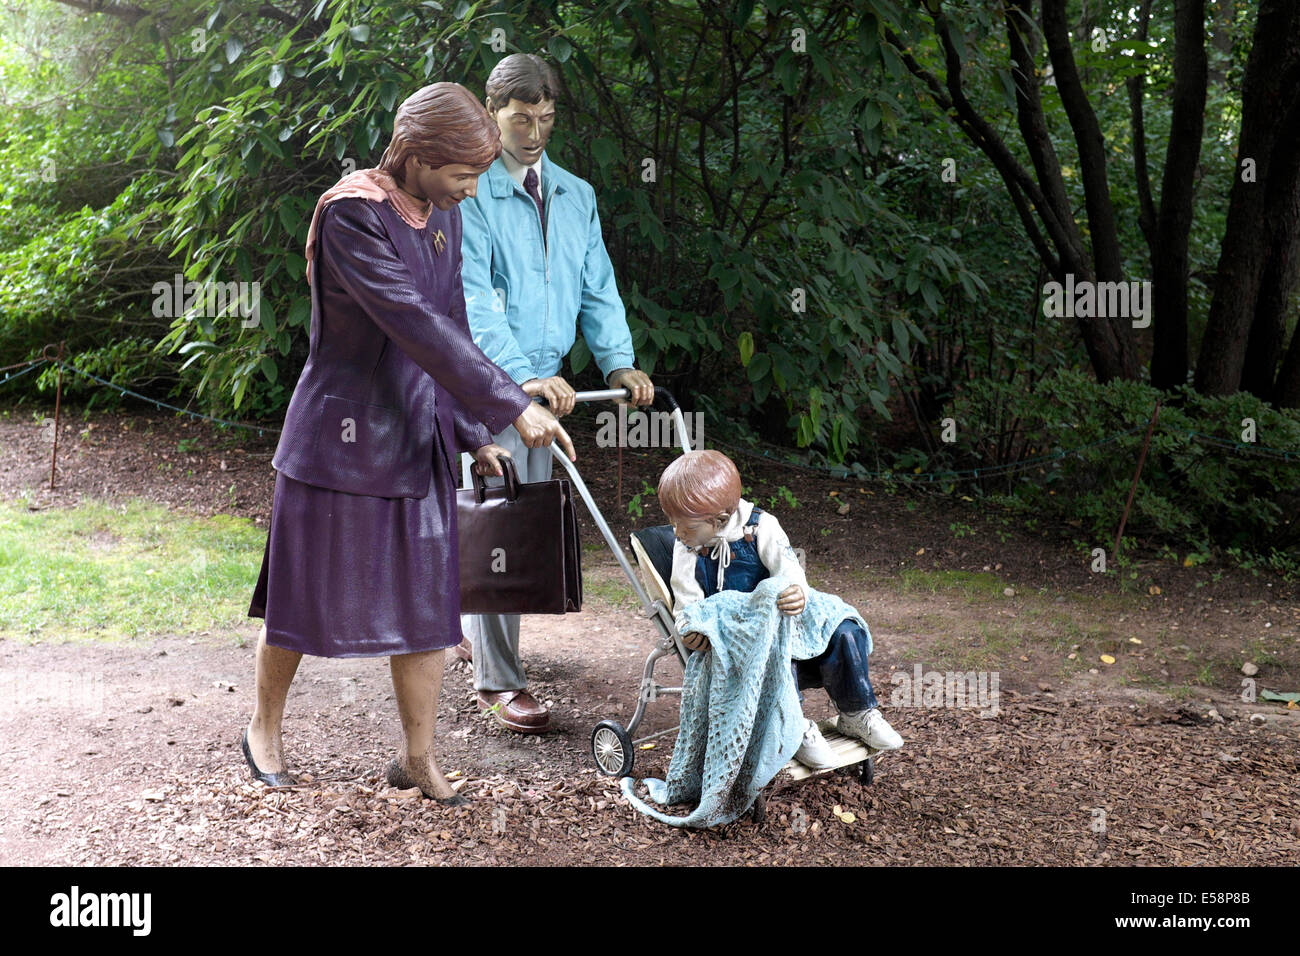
502	185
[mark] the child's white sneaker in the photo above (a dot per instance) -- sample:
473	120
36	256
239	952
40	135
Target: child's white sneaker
871	728
814	752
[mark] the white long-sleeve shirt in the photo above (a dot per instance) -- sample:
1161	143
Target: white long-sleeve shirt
769	539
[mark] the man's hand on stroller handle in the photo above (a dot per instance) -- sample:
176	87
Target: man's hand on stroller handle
637	382
538	428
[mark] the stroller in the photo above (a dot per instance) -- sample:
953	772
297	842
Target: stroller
613	747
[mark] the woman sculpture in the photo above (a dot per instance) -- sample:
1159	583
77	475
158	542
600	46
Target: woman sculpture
361	557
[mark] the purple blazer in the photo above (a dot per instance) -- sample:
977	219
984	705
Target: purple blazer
392	370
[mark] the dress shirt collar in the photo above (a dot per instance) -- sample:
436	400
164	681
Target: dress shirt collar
518	170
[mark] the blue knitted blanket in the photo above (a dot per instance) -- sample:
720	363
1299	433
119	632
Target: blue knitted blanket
740	715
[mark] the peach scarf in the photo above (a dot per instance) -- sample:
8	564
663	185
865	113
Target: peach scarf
369	184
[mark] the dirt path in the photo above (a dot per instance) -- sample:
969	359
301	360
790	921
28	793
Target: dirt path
152	773
1082	764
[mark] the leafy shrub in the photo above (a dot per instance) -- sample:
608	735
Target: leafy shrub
1201	484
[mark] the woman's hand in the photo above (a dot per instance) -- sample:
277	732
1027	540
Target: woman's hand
558	393
538	428
695	641
487	460
791	600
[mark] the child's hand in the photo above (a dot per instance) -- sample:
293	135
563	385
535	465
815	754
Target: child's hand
790	601
695	641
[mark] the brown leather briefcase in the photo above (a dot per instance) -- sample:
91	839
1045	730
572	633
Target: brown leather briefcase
519	551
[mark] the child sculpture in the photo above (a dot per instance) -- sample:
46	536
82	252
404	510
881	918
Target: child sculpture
724	542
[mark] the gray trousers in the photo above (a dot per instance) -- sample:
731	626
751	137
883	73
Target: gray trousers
496	636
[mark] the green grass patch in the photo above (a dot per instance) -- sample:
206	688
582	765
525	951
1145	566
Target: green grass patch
614	590
119	572
973	584
994	645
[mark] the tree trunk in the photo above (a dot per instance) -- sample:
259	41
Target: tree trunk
1088	140
1177	191
1269	92
1282	234
1137	125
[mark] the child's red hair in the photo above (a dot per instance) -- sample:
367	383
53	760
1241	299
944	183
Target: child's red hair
699	484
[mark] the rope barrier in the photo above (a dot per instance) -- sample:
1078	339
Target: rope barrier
30	367
144	398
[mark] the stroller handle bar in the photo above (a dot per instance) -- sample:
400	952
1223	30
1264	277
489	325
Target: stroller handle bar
613	394
652	606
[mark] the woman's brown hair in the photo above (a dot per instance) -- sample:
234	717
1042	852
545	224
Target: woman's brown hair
440	124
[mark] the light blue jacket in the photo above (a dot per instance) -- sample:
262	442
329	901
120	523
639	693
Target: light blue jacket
524	298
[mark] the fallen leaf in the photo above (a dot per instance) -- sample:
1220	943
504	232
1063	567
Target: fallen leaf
1134	640
1107	659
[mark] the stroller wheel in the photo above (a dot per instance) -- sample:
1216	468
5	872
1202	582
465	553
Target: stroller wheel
867	771
611	748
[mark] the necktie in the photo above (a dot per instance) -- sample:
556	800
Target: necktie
530	184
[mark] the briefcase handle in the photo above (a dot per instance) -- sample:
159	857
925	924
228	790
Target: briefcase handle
511	476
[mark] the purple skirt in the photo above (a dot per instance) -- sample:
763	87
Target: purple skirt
354	576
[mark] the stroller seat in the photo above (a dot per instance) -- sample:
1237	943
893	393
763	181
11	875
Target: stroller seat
653	548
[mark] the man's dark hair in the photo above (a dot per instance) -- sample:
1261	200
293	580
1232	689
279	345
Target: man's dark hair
521	76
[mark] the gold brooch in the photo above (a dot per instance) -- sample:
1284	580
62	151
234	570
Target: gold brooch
439	242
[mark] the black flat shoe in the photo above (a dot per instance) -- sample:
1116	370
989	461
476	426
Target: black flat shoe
401	780
270	779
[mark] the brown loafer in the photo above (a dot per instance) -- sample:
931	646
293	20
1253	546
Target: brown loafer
519	710
464	650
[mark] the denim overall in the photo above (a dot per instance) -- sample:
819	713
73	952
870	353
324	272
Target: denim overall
841	669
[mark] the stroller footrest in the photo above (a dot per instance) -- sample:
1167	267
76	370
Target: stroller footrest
848	751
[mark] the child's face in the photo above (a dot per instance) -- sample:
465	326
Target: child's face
695	532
